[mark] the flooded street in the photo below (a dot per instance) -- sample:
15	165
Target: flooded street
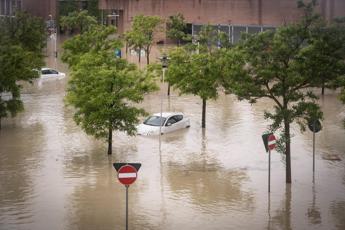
54	176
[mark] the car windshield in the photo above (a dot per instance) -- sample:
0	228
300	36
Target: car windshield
154	121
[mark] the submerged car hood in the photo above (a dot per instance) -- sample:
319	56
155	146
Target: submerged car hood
147	130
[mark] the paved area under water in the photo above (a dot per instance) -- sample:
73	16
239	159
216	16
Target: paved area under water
54	176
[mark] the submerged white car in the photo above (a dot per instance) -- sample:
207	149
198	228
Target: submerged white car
49	73
170	121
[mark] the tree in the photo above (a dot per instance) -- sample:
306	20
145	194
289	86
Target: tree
92	8
22	39
196	71
176	28
80	20
69	6
326	54
136	41
142	34
280	66
104	89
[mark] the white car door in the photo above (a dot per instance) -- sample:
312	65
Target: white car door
180	124
54	73
171	125
176	122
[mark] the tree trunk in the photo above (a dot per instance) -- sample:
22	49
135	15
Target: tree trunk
147	55
323	88
0	123
110	141
203	119
287	150
139	55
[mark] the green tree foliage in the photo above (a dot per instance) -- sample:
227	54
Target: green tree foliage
210	39
176	28
196	71
78	20
141	36
326	54
283	66
136	41
68	6
92	8
22	39
339	25
103	89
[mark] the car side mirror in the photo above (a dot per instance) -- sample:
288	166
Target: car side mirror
168	124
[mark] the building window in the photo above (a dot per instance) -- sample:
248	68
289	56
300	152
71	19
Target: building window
234	31
254	29
84	5
268	28
2	7
238	30
8	7
19	5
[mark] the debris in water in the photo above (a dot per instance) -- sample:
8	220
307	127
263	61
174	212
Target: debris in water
331	157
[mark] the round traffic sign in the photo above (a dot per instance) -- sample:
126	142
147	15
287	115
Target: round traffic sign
127	174
314	126
271	142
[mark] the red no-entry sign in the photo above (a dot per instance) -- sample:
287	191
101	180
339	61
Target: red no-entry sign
271	142
127	174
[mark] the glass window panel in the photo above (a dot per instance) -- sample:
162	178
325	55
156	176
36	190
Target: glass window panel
189	28
269	28
2	7
224	29
238	30
254	29
19	5
196	29
7	7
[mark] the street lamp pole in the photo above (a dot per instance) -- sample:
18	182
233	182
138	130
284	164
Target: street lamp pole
55	48
164	60
53	35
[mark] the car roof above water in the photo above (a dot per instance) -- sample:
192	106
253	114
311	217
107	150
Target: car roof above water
46	68
167	114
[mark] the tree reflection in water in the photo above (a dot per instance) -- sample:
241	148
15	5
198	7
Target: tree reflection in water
282	217
205	184
337	209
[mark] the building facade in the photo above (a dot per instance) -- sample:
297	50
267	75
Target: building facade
262	13
39	8
45	9
8	7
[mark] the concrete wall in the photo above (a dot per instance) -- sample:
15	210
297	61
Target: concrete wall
236	12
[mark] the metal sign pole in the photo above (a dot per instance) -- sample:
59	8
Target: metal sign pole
269	170
314	146
127	174
127	207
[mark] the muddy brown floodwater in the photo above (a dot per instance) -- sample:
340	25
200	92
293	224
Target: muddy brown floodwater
54	176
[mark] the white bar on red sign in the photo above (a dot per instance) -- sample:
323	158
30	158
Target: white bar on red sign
127	175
